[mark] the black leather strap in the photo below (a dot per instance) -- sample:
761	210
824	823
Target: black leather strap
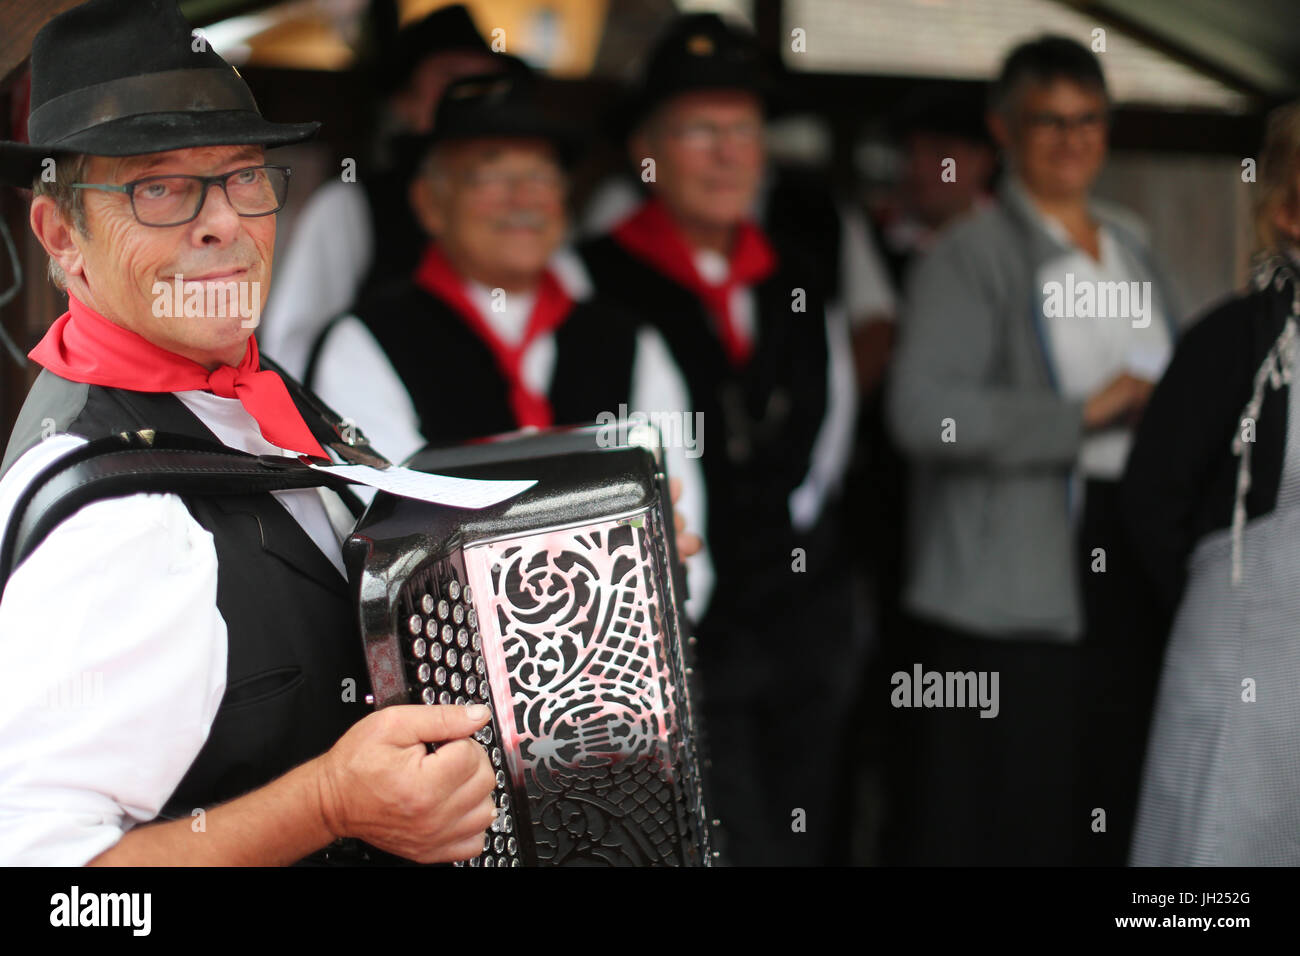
130	463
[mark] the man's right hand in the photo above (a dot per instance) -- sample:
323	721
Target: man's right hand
1122	399
380	784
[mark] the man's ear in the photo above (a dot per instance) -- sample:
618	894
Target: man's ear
55	234
424	204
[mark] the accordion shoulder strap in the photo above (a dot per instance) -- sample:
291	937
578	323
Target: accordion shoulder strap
146	461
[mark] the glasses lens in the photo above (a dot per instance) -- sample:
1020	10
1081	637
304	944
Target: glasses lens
257	191
165	200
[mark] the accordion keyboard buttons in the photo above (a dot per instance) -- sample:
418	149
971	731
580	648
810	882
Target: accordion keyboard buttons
450	662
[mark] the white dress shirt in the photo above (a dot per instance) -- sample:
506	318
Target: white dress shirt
1087	352
116	653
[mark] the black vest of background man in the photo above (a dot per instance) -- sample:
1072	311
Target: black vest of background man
452	376
778	679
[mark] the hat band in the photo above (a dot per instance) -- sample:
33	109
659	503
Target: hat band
168	91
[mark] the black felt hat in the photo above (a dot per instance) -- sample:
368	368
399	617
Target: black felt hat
447	29
125	77
506	105
699	51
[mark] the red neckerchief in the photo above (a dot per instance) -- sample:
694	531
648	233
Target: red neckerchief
83	346
651	235
437	277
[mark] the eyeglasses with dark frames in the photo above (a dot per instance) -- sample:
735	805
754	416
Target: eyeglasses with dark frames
175	200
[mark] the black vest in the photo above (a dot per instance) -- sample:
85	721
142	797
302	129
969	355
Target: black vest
760	421
453	379
292	639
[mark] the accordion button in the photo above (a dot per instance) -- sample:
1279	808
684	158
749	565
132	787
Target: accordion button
512	845
451	657
431	629
515	863
489	861
469	595
444	609
461	700
504	802
455	681
458	614
444	697
507	822
467	662
424	673
426	604
474	862
501	782
499	844
440	675
471	686
435	652
484	736
472	617
453	589
427	695
496	756
462	637
480	666
448	635
416	624
418	647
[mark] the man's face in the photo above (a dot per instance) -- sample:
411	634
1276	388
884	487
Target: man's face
708	153
929	196
120	260
1056	138
496	207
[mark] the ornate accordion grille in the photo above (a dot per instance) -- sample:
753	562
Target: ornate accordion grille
570	636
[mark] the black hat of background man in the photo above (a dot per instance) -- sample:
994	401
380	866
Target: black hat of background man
123	77
447	29
946	111
699	51
505	105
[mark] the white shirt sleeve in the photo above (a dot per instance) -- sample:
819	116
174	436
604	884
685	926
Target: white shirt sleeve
356	379
833	446
863	279
115	657
328	256
658	387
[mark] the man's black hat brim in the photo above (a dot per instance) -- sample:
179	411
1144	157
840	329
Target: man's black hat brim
21	163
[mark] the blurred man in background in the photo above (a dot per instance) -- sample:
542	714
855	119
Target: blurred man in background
743	317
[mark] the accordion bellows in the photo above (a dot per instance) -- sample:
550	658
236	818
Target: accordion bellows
559	609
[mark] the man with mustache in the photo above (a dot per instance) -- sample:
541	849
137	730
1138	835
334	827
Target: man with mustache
217	632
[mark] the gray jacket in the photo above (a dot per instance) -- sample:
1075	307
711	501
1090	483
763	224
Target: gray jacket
990	539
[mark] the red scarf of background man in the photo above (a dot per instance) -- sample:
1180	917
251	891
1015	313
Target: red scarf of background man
83	346
651	235
437	277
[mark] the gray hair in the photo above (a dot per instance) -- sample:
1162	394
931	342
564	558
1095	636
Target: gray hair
68	169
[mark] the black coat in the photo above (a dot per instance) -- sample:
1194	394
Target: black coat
1181	479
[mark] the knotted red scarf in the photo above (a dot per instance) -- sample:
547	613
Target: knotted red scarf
83	346
437	276
651	235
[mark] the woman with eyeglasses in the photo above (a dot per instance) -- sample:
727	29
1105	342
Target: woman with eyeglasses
1030	339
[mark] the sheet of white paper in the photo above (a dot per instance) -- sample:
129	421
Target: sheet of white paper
440	489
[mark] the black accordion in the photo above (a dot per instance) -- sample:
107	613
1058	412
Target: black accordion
559	608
